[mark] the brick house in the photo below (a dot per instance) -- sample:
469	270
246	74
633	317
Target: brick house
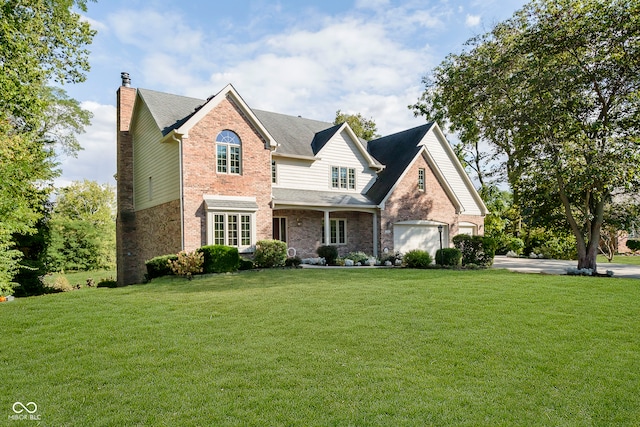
193	172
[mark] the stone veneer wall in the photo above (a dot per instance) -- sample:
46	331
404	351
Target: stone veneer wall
200	175
159	231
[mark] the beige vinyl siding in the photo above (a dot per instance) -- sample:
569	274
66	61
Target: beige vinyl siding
157	164
448	168
316	175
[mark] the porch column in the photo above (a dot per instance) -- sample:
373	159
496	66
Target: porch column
327	229
375	234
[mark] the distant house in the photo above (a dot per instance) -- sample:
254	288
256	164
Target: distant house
194	172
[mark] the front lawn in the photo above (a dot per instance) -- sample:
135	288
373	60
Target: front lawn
620	259
329	347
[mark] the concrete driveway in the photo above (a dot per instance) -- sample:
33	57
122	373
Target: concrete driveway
554	266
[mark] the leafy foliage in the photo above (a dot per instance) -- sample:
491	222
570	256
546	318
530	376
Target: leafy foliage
417	258
363	128
270	253
42	43
82	228
559	102
187	264
633	244
220	259
450	257
159	266
329	253
476	250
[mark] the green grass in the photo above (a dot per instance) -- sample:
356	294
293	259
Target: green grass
80	277
619	259
329	347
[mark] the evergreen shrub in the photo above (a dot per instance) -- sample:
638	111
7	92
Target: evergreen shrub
220	259
450	257
329	253
478	250
159	266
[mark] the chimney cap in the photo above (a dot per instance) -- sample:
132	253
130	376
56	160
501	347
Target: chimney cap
126	81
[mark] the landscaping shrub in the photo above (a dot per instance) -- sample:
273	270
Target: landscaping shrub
60	284
393	258
559	247
478	250
293	261
159	266
219	259
245	264
107	283
358	257
633	244
417	258
450	257
329	253
270	253
187	264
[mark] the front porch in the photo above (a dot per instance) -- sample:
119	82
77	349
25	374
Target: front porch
307	220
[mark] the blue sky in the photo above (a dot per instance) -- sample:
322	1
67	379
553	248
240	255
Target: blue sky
307	58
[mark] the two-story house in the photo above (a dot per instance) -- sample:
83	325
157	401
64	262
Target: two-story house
194	172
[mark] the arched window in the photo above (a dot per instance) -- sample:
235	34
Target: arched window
228	152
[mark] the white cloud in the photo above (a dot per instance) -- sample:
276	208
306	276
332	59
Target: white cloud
97	160
472	20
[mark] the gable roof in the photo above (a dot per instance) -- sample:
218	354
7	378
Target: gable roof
396	152
169	111
400	150
293	134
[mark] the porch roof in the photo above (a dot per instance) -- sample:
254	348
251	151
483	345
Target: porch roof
320	199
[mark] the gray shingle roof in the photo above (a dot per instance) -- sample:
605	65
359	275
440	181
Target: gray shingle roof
293	134
169	111
396	152
319	198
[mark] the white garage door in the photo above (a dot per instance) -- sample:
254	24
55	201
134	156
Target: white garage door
419	235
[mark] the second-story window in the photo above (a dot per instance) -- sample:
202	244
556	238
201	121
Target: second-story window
343	177
421	179
228	152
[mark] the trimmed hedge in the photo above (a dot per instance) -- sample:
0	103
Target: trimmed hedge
417	258
220	259
450	257
159	266
478	250
329	253
633	244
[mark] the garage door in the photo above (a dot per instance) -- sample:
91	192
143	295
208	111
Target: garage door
419	235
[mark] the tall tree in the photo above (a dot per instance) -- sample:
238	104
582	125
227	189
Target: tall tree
82	228
363	128
556	89
41	42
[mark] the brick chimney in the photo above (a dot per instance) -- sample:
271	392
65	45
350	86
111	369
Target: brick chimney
127	253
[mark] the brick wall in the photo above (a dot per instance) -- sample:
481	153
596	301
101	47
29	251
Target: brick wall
200	175
307	237
127	253
408	203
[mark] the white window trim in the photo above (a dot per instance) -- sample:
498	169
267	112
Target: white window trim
346	232
228	156
226	214
339	187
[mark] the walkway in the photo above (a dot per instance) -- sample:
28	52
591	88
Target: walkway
554	266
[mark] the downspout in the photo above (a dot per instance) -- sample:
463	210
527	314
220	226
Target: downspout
179	141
